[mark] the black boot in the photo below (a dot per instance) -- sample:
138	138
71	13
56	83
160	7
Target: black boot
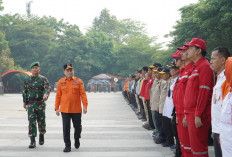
77	143
67	149
41	139
32	144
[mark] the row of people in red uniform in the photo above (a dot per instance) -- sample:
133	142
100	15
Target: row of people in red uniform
198	100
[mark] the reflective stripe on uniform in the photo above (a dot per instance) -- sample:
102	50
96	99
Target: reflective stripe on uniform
196	74
200	153
206	87
185	76
189	148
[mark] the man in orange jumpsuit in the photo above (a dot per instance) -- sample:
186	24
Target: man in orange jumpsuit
197	100
69	95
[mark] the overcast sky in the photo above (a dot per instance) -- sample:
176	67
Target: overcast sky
159	15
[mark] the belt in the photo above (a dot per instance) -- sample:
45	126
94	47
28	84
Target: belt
35	99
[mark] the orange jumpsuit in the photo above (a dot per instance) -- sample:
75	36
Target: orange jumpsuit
69	95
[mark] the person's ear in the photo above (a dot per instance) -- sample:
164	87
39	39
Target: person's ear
199	51
223	60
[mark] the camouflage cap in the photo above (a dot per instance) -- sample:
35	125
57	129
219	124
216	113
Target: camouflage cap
34	64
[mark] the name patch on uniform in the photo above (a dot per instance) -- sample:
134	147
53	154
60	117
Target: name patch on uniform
75	81
63	83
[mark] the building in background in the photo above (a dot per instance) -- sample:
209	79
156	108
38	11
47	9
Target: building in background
105	83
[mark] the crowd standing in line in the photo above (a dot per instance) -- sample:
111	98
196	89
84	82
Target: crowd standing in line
181	102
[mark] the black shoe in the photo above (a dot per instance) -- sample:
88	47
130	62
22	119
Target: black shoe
143	120
67	149
41	139
139	116
146	127
159	141
32	144
77	143
155	138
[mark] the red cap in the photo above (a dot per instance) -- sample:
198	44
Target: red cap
183	48
177	54
198	42
186	44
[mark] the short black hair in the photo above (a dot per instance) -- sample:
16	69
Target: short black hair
223	51
203	52
145	68
139	71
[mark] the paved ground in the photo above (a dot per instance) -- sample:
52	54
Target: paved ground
110	129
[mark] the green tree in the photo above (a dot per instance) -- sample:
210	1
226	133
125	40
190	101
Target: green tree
6	62
71	47
210	20
28	40
119	30
3	42
132	47
101	55
107	23
1	7
136	54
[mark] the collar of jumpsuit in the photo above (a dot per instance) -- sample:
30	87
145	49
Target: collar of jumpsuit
72	78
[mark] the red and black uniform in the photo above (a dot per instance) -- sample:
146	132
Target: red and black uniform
179	106
147	101
142	92
197	102
147	89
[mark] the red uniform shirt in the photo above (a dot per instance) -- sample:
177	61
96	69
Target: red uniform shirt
147	88
181	87
142	92
174	94
199	89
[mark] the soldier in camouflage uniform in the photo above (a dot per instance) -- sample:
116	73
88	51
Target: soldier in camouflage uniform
35	92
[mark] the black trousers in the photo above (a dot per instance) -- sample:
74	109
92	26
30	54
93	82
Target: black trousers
124	93
167	128
132	99
158	121
76	120
210	140
175	133
217	147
